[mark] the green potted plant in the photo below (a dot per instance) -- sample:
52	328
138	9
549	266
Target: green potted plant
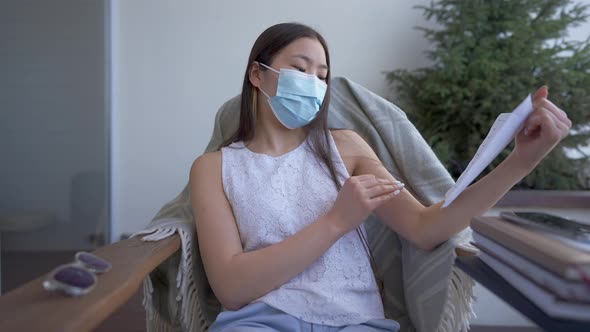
487	56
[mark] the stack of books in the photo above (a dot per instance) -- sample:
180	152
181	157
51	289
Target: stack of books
552	271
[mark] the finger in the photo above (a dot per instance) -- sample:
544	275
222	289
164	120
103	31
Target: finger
357	180
544	124
380	190
370	180
533	123
561	115
381	181
542	92
366	178
562	127
545	103
379	200
383	189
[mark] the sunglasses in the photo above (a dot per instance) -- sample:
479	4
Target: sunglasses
77	278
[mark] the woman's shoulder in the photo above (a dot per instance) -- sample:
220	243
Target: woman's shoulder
342	133
208	162
353	149
346	135
349	142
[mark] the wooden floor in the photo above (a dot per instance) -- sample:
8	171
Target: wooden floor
19	268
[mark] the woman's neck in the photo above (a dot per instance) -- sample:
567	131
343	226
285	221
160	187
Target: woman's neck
271	137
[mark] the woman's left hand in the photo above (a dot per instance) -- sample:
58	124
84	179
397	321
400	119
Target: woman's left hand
545	127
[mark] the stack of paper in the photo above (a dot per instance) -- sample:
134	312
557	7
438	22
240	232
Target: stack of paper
549	272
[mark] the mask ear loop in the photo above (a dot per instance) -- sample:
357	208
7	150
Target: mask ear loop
262	64
268	67
254	104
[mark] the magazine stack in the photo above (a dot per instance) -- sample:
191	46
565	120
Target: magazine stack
551	268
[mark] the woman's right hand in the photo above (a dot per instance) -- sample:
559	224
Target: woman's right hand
358	197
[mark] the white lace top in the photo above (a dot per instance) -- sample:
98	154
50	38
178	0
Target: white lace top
275	197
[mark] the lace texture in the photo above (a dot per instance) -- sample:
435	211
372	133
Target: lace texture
275	197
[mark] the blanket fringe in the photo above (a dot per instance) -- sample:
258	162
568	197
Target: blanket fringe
191	313
158	234
147	302
458	309
154	321
157	324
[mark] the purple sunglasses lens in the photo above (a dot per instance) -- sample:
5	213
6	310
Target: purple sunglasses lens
74	276
93	262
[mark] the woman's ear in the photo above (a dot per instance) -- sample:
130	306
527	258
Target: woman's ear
254	74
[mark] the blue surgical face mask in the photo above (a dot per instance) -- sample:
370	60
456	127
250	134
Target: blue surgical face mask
298	98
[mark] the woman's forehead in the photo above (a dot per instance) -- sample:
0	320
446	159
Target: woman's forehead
306	49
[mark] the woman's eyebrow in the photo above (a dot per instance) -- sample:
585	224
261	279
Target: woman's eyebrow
308	60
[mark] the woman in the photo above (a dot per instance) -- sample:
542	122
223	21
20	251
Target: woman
279	209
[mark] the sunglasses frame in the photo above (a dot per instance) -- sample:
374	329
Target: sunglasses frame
52	284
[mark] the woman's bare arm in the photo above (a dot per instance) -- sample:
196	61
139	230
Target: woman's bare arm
429	226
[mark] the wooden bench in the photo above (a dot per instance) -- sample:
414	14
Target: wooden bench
31	308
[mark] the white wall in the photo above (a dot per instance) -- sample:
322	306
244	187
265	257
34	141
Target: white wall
176	62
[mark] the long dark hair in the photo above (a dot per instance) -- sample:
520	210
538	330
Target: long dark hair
268	44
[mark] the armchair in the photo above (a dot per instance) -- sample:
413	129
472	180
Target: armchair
423	290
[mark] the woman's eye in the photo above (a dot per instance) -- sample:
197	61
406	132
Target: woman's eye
301	69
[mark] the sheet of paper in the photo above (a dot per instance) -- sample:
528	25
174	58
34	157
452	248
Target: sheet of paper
503	131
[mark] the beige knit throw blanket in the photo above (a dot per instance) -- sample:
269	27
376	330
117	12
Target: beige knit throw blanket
428	294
